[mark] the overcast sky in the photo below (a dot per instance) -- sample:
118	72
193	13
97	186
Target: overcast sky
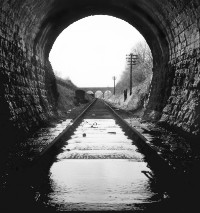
93	50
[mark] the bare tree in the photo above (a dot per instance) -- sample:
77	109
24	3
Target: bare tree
141	71
145	59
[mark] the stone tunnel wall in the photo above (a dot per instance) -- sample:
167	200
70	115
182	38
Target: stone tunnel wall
183	106
28	28
27	83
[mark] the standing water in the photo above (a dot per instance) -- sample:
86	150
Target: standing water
100	168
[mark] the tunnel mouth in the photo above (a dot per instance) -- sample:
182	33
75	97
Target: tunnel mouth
150	30
86	24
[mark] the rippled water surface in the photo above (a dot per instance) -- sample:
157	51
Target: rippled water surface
99	168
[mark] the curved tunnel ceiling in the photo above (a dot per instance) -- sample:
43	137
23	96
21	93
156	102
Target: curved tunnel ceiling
139	14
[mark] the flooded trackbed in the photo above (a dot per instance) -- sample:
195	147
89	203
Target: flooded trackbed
99	168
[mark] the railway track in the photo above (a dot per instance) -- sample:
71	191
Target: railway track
98	162
98	109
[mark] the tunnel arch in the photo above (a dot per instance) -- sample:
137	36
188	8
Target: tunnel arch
138	15
29	29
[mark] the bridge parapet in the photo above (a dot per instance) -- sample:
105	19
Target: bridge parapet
95	89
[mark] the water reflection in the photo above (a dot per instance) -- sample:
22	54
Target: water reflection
99	168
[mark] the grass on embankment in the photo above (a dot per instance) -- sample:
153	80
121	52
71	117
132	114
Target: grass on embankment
66	102
66	98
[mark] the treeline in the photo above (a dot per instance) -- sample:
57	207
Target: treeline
141	72
66	83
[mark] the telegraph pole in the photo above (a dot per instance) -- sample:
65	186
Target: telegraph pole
114	78
131	58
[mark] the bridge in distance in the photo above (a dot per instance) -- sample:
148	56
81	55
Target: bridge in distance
95	89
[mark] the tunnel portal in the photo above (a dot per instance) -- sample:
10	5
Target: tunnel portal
28	29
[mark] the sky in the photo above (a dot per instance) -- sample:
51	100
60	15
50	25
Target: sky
93	50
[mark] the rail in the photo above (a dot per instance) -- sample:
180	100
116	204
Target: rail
64	135
151	155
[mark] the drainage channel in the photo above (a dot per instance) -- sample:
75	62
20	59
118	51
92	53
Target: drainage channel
99	168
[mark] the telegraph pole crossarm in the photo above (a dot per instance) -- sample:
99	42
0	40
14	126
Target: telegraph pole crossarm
132	59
